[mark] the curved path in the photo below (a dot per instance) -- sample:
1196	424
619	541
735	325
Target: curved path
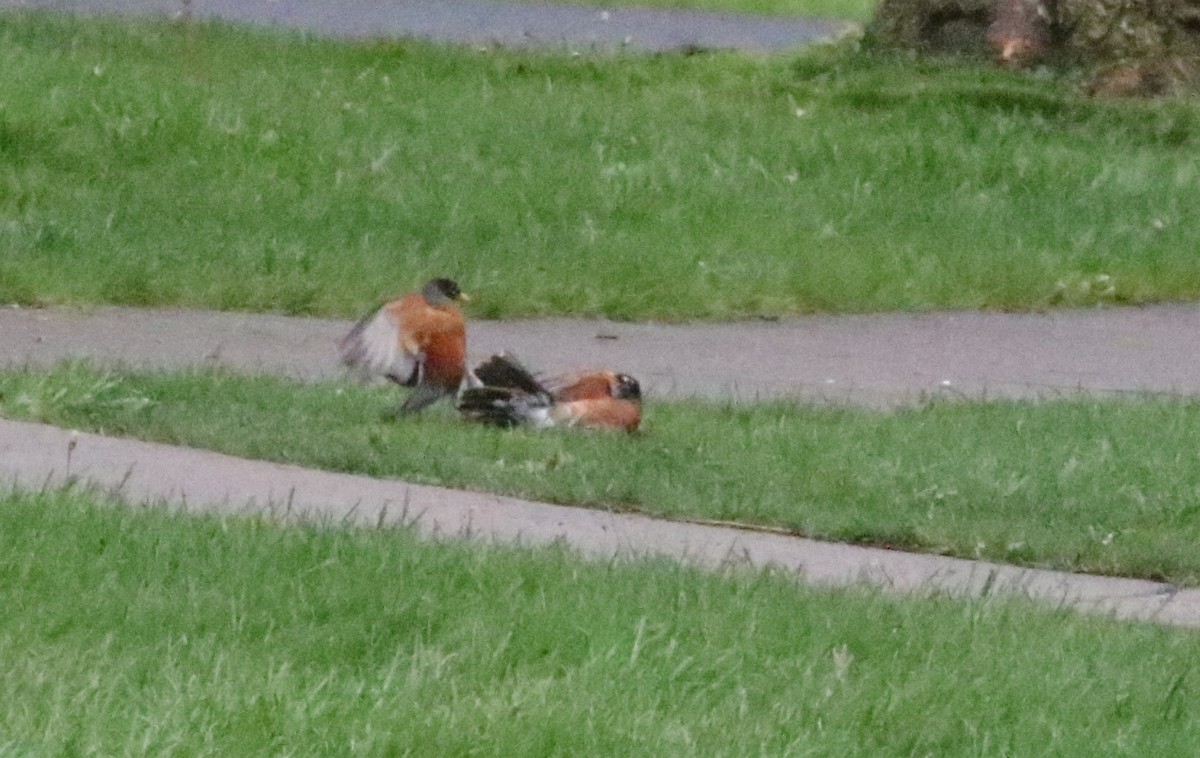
1115	349
480	22
35	455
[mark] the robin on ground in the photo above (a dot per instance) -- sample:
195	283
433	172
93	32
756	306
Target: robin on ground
509	396
418	341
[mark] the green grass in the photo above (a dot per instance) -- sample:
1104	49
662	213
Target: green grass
137	632
1082	484
144	164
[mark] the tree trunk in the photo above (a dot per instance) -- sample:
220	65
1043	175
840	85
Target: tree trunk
1133	46
1021	30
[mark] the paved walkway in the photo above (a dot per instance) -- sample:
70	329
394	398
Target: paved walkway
901	356
34	455
483	22
879	360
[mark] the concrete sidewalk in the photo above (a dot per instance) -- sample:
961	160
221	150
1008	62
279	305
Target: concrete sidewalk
34	456
484	22
877	360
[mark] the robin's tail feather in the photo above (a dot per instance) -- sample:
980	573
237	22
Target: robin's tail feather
503	406
509	395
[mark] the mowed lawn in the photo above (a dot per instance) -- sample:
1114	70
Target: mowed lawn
1106	486
138	632
144	163
209	166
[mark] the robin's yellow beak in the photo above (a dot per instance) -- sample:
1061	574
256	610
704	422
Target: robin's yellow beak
463	297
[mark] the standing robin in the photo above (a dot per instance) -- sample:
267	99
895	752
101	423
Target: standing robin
510	396
418	341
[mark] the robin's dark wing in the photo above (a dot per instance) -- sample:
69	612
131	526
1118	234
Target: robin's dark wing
506	371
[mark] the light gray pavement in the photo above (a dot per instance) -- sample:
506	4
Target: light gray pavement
873	359
485	23
877	360
34	455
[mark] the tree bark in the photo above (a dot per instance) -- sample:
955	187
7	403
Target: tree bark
1133	46
1021	31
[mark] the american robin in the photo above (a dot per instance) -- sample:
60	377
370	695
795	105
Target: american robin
418	341
510	396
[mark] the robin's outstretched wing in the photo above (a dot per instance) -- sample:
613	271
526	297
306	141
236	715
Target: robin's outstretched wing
374	348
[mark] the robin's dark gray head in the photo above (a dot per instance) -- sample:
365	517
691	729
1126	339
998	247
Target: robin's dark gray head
627	388
443	292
